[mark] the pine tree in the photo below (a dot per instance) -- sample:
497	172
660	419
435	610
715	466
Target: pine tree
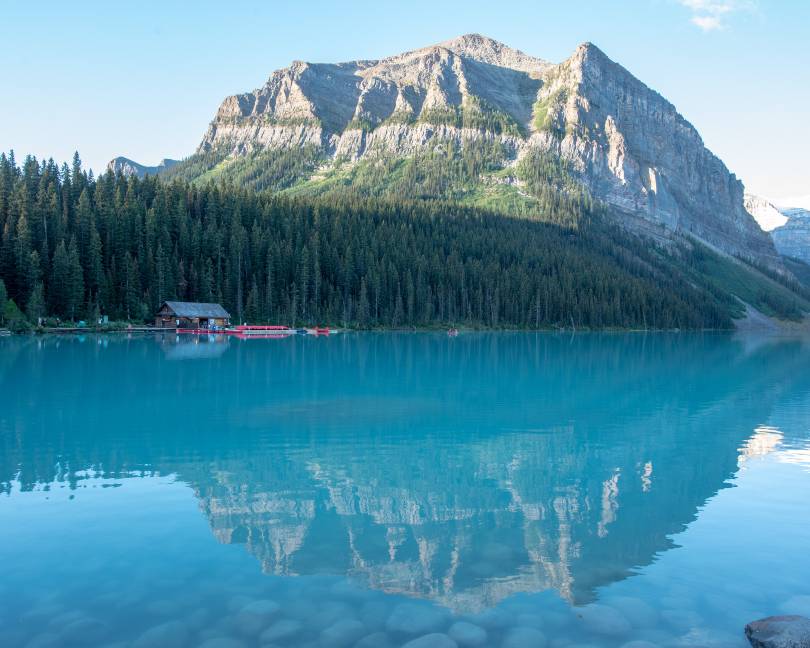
26	273
95	265
3	299
252	311
36	303
363	305
74	288
59	281
132	288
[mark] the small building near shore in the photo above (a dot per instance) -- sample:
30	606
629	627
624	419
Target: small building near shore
193	315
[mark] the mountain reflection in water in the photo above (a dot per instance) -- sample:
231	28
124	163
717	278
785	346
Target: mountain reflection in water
462	471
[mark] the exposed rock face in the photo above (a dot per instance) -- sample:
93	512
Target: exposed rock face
793	238
765	213
628	144
779	632
128	167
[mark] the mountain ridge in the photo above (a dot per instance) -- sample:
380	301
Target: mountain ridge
127	167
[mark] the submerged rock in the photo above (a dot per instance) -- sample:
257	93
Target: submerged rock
791	631
342	634
281	631
61	620
682	619
374	613
493	619
605	620
467	634
84	632
374	640
329	613
197	619
414	619
432	640
45	640
172	634
524	637
223	642
639	613
255	616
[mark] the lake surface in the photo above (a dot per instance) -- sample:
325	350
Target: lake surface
501	489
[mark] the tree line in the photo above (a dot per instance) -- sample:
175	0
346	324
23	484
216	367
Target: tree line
76	247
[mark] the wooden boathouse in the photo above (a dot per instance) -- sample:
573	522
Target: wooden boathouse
191	315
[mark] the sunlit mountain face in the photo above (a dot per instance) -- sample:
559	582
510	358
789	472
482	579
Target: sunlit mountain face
461	471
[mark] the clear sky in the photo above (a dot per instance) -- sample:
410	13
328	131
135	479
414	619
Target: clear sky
143	79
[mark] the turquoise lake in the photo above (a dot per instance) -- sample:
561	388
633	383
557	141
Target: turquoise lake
496	489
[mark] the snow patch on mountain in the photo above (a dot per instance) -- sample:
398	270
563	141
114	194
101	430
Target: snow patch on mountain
765	213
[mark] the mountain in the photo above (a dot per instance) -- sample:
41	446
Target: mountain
479	122
128	167
765	213
789	227
793	238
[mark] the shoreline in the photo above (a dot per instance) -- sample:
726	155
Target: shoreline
753	321
418	329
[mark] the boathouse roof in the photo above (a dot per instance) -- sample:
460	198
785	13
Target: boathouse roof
196	309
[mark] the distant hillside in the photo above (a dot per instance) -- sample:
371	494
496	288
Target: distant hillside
127	167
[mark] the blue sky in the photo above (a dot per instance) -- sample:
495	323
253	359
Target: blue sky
144	79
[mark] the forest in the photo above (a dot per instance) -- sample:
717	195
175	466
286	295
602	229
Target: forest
75	247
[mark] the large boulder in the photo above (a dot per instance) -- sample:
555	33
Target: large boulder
791	631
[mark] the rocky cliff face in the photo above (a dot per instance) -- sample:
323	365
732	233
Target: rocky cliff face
638	154
128	167
623	141
793	238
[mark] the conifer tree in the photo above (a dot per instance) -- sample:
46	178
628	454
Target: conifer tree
74	289
3	298
36	303
60	274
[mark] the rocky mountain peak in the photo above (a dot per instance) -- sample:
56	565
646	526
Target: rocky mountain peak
487	50
588	51
622	141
